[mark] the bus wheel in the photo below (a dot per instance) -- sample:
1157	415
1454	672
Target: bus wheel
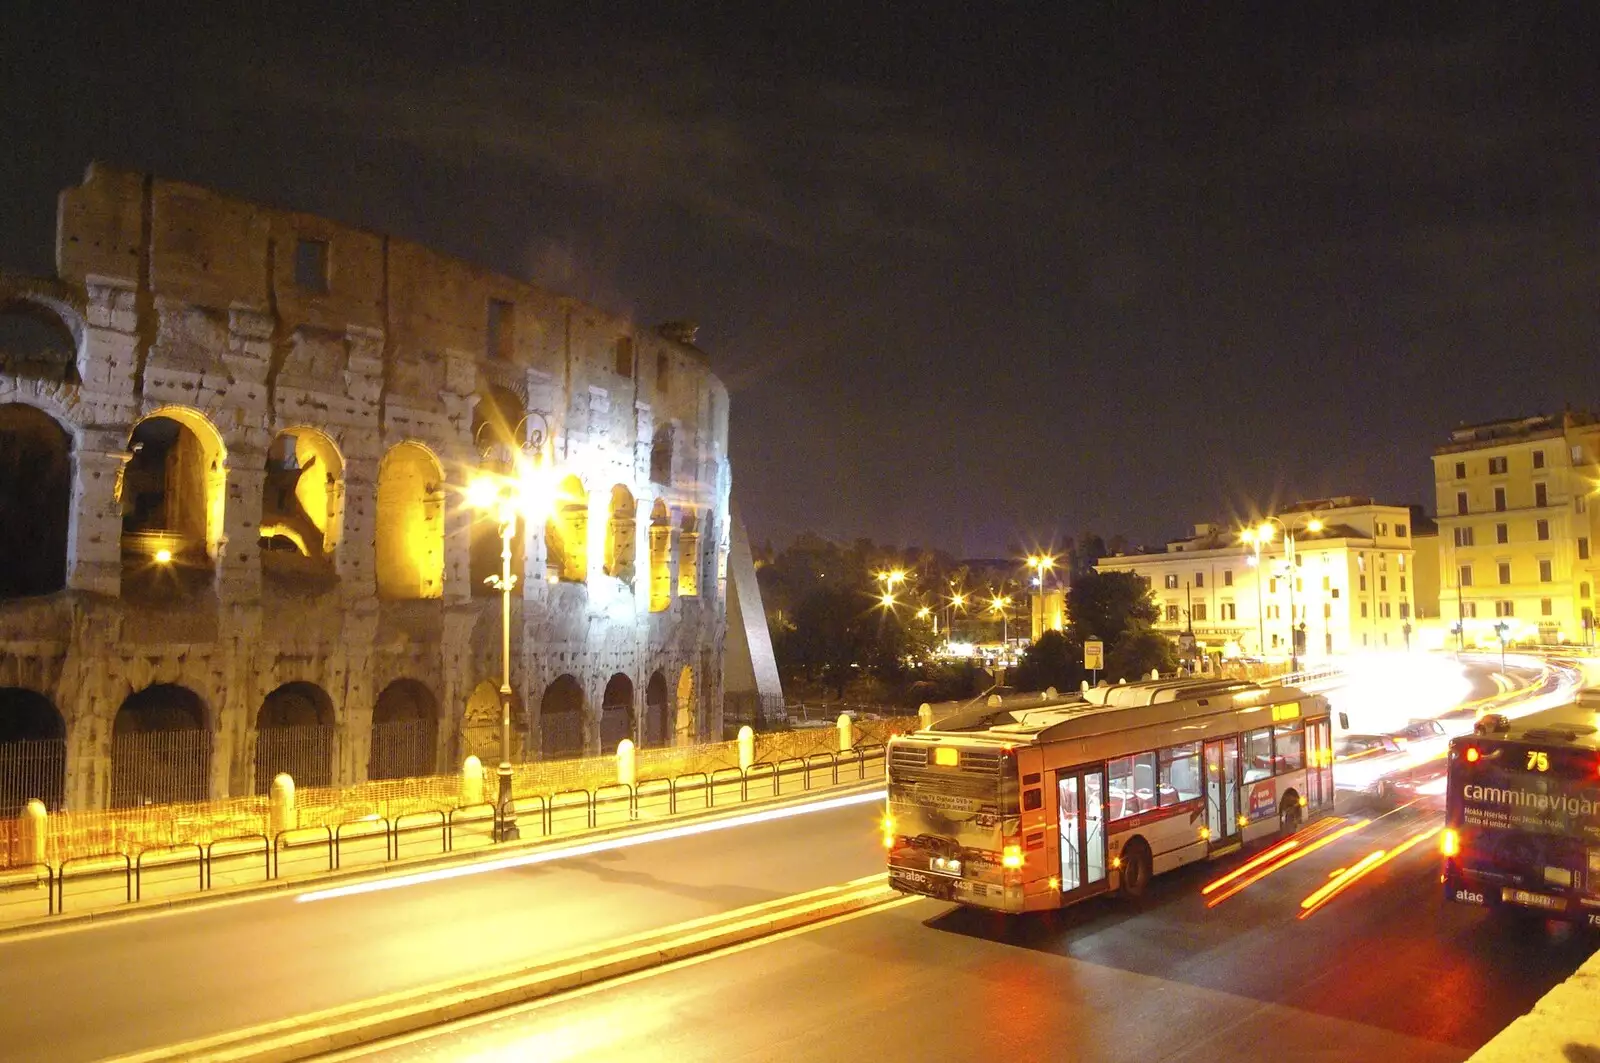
1135	868
1290	814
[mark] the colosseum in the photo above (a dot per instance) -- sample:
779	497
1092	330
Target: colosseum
236	530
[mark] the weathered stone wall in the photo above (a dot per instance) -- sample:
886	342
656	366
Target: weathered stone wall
241	322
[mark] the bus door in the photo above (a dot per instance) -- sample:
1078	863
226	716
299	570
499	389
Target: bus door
1082	806
1222	792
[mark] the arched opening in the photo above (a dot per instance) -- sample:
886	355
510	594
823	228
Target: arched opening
686	720
621	535
160	748
294	735
689	556
498	430
302	510
660	557
566	534
616	713
561	719
172	496
661	455
480	726
657	715
33	751
410	534
405	732
35	498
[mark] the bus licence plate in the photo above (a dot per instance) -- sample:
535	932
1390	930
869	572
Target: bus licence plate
1533	900
913	881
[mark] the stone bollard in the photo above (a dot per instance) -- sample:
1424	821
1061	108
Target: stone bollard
627	769
1155	673
282	816
32	830
471	781
747	748
1083	685
847	740
1050	692
994	701
925	716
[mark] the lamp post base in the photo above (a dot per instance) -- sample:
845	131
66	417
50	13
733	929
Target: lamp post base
505	809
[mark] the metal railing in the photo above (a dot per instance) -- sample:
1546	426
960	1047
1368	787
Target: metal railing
160	767
123	876
32	768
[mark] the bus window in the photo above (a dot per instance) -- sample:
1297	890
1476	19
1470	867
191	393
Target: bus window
1290	743
1132	785
1258	754
1180	773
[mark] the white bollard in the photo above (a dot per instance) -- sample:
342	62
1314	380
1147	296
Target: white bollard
1155	673
32	830
1050	692
994	701
1083	685
925	716
846	733
471	781
627	771
747	748
282	816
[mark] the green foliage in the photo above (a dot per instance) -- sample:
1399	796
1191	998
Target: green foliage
1137	652
1054	660
1108	605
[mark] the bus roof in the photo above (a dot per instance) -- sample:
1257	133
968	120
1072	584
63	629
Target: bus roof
1040	719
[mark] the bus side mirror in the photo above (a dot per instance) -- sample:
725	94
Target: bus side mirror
1344	721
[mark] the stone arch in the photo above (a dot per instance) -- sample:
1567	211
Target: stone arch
689	555
616	713
657	715
295	735
35	501
498	420
173	491
160	748
39	340
410	532
480	725
561	719
686	716
33	751
566	534
405	732
661	455
621	535
660	557
302	507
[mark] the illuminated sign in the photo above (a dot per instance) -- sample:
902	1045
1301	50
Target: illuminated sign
1290	711
946	756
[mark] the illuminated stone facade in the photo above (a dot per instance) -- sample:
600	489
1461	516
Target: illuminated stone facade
1516	526
234	448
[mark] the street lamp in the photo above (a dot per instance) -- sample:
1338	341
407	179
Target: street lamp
512	485
1041	564
958	600
1502	629
998	604
1259	537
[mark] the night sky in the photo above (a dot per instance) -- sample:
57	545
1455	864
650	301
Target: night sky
973	281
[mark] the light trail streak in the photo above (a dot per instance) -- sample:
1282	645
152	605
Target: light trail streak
1360	869
1296	854
605	845
1271	854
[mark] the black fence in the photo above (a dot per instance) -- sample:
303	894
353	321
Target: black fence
404	749
304	752
160	768
32	769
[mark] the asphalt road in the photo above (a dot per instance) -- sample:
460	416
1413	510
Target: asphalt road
1386	970
84	993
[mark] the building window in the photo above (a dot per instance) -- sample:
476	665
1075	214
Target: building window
1544	571
1545	608
1326	582
1504	609
1227	577
1465	576
501	333
1172	614
311	266
1583	590
1199	579
1405	610
1502	533
1363	583
623	356
1541	495
1461	470
1538	459
663	373
1228	611
1334	593
1583	548
1172	581
1402	584
1274	612
1464	536
1499	499
1363	609
1497	466
1469	610
1580	505
1383	610
1541	529
1505	572
1199	611
1383	583
1400	531
1577	454
1327	611
1272	585
1383	529
1461	503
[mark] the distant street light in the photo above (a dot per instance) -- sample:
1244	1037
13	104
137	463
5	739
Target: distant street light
1502	629
1259	537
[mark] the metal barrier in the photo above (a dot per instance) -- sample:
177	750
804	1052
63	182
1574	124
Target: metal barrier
442	824
28	874
338	837
138	865
450	822
278	846
266	853
777	785
678	786
738	774
61	875
601	797
756	769
588	807
833	763
639	793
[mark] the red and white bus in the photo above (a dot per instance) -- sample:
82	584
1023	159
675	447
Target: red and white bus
1033	803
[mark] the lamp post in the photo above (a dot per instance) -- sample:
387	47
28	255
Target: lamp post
958	600
998	604
1502	629
1259	537
508	489
1041	564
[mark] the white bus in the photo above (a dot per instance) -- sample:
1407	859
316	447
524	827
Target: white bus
1034	803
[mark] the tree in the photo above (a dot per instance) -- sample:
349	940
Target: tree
1108	605
1053	661
1138	652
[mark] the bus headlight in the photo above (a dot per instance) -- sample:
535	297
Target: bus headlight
888	825
1449	843
1011	857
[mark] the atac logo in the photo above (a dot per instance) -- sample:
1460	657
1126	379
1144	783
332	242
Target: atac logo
1468	897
